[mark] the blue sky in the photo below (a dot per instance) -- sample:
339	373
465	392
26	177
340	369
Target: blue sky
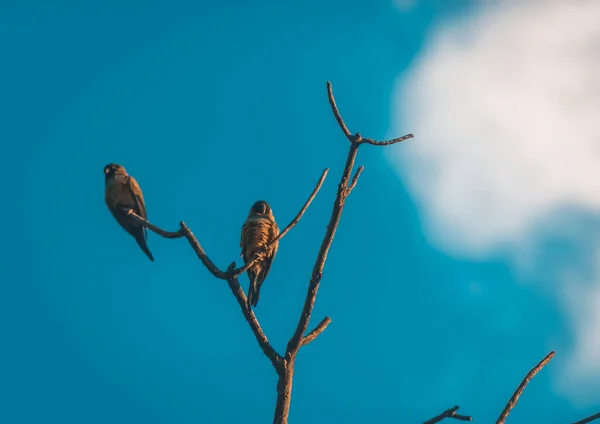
213	107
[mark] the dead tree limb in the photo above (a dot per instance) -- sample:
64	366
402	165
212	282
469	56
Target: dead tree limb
515	397
284	387
284	365
449	413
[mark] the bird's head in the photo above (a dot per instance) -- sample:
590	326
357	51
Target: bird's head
262	208
113	168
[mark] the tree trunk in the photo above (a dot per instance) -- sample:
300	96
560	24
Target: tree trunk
284	394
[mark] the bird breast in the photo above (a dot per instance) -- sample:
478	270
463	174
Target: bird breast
258	233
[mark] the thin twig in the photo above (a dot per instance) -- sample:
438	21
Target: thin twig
515	397
316	332
336	112
588	419
237	272
449	413
355	178
386	142
148	224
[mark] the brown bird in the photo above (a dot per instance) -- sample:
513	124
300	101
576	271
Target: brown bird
258	230
121	193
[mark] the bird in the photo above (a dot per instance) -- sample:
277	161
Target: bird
258	230
122	192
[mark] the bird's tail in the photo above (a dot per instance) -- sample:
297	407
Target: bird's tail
254	289
142	242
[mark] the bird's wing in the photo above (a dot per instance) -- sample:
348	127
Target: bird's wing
138	197
272	231
244	240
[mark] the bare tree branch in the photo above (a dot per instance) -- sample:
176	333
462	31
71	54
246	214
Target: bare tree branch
355	178
357	138
284	387
285	365
588	419
291	225
515	397
316	332
384	143
317	274
344	190
449	413
214	270
336	112
147	224
261	337
184	231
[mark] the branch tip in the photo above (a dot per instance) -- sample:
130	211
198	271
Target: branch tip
316	332
355	178
385	142
336	113
515	397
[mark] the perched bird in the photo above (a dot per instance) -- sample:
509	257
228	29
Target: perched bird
122	193
258	230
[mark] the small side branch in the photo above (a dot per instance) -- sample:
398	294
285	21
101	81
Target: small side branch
239	271
515	397
449	413
316	332
386	142
355	178
588	419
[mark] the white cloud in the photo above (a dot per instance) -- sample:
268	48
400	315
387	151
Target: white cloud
505	107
